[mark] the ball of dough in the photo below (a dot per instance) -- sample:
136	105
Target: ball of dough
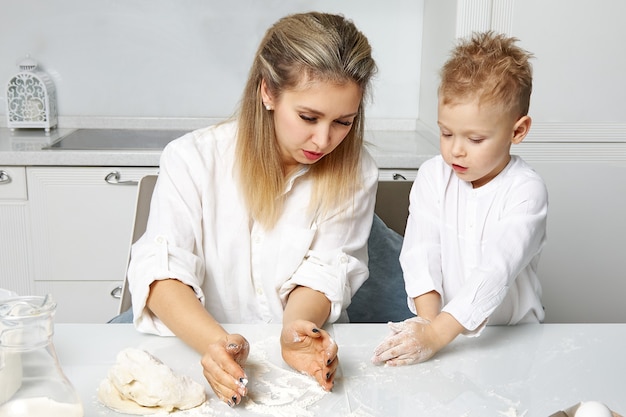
593	409
139	383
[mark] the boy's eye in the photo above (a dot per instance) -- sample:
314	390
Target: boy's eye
446	134
476	140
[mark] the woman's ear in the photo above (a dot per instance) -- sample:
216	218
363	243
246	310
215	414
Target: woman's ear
266	96
521	129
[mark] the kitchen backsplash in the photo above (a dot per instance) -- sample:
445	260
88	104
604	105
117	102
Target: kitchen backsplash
189	59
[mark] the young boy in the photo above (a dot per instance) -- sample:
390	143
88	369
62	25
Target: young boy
477	221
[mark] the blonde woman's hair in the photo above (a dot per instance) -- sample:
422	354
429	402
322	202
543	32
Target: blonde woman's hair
490	67
301	48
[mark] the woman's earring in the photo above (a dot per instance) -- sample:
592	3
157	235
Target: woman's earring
267	106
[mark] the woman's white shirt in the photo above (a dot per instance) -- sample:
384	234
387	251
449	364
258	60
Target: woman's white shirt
478	248
200	233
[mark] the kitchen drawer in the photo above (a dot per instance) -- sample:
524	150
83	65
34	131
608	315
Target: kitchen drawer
82	301
13	183
397	175
83	217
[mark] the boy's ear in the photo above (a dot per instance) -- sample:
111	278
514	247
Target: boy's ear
521	129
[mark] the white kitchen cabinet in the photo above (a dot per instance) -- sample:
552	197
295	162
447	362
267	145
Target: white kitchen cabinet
81	226
16	271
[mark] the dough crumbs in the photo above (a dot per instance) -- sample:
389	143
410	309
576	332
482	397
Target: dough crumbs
139	383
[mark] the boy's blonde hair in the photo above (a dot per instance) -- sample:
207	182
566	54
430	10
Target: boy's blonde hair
491	68
297	49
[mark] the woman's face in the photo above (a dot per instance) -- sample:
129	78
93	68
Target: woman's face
312	119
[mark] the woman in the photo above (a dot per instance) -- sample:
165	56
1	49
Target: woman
266	218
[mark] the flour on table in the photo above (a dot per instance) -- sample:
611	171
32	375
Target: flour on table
276	391
512	412
139	383
273	390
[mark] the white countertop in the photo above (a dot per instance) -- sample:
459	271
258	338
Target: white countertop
390	149
526	370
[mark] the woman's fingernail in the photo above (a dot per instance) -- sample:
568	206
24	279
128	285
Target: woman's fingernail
230	403
327	375
234	398
316	330
328	362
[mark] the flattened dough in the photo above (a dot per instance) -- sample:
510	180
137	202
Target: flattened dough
139	383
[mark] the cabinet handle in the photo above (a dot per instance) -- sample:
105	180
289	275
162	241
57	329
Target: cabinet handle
5	178
117	292
397	176
114	178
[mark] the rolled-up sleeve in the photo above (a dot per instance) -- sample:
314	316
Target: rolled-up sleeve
166	250
336	263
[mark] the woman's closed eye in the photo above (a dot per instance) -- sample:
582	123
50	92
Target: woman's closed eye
312	119
344	122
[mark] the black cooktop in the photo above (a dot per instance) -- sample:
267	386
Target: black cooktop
111	139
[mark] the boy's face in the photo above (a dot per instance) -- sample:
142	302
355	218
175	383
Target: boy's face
475	140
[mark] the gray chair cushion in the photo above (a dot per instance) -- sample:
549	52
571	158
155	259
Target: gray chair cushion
125	317
382	297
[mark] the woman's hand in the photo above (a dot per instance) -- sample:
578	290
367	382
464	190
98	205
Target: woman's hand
223	364
311	350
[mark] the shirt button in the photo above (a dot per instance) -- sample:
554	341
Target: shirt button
160	239
343	259
259	291
256	239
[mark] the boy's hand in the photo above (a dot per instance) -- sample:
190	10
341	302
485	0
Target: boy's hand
412	341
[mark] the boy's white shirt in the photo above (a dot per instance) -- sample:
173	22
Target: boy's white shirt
478	248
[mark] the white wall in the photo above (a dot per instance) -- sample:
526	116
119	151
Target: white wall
580	57
579	65
171	58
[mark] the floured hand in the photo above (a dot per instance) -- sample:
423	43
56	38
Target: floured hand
223	368
310	350
411	341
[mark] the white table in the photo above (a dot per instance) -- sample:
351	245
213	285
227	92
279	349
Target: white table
530	370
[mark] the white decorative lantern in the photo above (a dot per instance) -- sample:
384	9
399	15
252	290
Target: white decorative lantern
31	98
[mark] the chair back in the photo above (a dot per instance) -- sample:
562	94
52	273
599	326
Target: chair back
142	209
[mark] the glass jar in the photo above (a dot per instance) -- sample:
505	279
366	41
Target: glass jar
32	382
